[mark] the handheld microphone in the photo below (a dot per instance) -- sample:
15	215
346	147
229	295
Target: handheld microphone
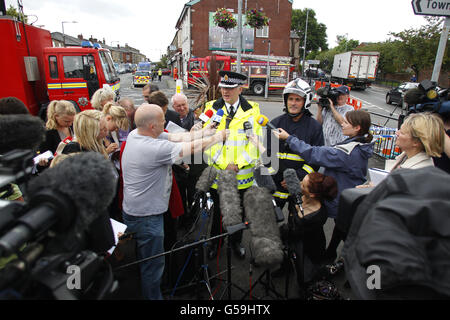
20	131
204	182
204	117
266	242
217	118
293	186
264	122
247	128
71	199
230	205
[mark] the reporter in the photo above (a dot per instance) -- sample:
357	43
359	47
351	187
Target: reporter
60	116
420	138
101	97
90	129
306	236
346	162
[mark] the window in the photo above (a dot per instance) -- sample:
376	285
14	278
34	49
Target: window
53	67
262	33
73	66
89	66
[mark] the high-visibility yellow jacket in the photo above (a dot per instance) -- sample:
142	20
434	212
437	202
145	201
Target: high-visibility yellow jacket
236	148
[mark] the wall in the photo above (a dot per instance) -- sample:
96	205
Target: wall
279	12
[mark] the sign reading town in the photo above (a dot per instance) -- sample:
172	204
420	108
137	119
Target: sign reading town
431	7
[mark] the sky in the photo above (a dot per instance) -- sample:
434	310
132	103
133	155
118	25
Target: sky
149	26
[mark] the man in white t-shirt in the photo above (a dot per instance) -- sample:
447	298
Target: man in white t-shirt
147	181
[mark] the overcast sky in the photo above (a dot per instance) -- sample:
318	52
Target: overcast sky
149	26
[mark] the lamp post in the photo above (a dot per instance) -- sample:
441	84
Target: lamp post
64	36
266	94
239	47
346	41
304	43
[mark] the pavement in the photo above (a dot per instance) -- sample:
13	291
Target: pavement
243	274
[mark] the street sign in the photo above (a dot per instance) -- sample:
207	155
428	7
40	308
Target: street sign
431	7
313	61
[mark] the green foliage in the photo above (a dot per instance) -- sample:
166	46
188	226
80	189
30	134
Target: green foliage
416	48
316	38
163	63
11	11
256	19
224	19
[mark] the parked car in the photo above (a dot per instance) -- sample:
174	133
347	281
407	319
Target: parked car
395	95
166	72
141	78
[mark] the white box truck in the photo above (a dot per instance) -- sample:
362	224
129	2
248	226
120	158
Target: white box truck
357	69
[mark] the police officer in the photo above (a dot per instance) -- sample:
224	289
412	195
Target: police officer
237	153
298	121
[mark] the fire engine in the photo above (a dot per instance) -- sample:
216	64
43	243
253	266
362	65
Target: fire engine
36	72
255	70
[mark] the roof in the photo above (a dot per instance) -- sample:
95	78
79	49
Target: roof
69	40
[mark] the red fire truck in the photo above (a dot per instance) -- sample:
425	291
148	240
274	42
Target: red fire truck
256	71
37	73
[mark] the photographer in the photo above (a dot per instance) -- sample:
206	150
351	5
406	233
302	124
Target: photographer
331	117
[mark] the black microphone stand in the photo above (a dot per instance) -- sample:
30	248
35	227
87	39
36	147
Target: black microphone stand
291	254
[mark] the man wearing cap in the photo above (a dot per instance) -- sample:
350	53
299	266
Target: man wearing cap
236	153
332	118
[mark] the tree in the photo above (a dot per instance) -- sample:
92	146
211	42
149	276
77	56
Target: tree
416	48
11	11
316	38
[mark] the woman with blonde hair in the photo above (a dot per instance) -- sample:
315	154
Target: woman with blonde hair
420	137
101	97
60	115
90	129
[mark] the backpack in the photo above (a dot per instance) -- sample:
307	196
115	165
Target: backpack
402	227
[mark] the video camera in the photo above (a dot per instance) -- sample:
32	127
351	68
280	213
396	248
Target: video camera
47	240
326	93
428	97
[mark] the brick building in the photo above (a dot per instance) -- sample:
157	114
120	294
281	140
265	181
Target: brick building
197	36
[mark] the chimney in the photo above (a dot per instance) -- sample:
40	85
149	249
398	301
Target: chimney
80	36
118	46
104	42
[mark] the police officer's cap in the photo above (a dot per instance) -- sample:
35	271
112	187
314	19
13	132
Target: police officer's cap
230	79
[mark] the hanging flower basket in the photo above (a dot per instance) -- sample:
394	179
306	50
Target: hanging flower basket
224	19
256	19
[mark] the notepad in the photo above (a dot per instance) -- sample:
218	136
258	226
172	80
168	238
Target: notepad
377	175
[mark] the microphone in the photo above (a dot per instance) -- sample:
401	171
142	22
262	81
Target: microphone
247	128
266	242
293	186
204	183
264	121
72	199
266	181
217	118
204	117
229	198
20	131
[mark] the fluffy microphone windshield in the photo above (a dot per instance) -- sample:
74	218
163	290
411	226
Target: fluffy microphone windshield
87	179
230	205
292	182
266	243
413	96
20	131
206	179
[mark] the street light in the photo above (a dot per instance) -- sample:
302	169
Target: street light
304	43
64	36
266	94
